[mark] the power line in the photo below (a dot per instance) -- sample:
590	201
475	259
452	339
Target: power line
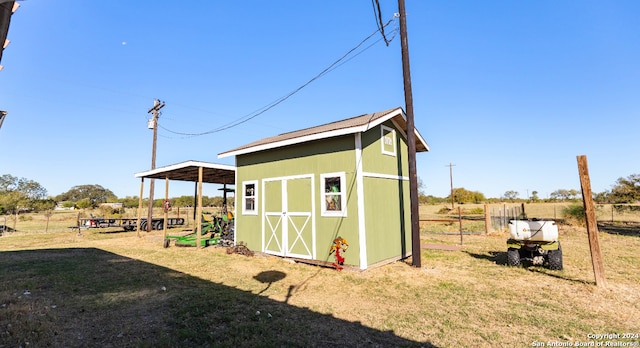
378	14
273	104
341	61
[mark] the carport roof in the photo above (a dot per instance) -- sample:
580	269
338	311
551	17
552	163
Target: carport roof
212	173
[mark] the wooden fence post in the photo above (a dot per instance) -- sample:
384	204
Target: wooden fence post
592	226
487	219
139	208
460	221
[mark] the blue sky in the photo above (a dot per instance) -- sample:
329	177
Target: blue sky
510	92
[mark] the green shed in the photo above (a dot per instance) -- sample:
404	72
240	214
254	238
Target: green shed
297	192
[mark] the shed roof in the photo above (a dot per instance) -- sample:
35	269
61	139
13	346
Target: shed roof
351	125
188	171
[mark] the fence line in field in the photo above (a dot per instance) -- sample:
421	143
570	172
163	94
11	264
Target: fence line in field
497	216
500	216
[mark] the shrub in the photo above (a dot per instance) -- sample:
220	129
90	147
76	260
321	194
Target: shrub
574	214
444	210
25	218
477	211
107	211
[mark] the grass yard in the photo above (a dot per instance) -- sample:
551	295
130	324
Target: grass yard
113	289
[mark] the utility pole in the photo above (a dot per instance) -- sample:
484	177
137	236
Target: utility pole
155	110
411	139
451	180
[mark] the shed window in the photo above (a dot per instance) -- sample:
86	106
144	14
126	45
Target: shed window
388	140
333	194
249	198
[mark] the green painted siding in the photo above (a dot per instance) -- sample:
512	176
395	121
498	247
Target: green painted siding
407	216
387	218
374	161
330	155
317	157
403	151
387	201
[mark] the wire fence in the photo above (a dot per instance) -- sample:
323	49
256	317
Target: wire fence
474	218
500	216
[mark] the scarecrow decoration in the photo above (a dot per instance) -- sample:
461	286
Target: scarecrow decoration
339	245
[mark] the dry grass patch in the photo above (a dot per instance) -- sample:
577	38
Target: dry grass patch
115	289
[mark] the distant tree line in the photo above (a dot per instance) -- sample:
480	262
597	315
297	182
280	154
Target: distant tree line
624	191
22	194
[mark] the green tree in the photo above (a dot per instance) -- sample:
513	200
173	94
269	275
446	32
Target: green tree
511	195
561	194
462	195
534	196
92	194
130	202
68	204
84	203
46	204
430	199
16	193
626	190
573	194
602	197
214	201
183	201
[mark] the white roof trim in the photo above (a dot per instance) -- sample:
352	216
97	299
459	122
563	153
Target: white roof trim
185	165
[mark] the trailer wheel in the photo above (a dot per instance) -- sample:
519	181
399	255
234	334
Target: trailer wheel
513	257
143	226
555	258
159	225
167	241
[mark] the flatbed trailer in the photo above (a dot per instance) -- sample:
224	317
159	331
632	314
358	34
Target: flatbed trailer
130	224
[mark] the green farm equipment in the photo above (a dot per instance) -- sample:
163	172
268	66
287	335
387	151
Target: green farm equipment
215	230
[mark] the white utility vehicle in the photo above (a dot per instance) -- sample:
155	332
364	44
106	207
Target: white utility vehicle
536	241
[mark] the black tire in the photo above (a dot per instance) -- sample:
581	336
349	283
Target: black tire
166	242
513	257
143	226
555	258
158	225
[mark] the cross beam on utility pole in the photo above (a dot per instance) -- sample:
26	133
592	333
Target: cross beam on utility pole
155	111
451	180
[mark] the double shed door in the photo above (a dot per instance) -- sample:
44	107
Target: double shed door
288	223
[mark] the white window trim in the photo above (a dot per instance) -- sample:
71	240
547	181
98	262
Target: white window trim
246	211
343	196
384	128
